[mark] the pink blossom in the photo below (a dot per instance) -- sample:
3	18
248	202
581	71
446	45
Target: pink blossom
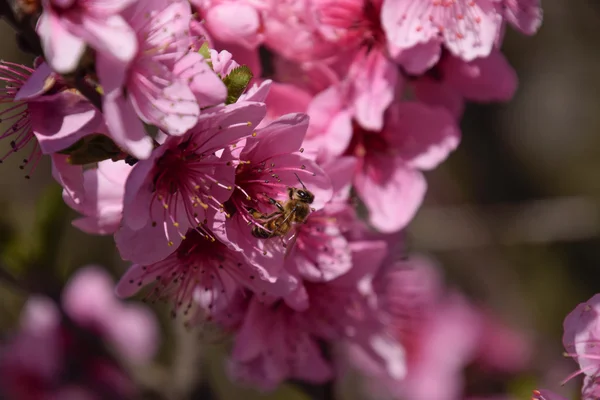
183	184
452	81
102	200
89	300
160	81
581	336
468	29
427	323
270	163
26	89
46	122
35	363
388	177
272	346
66	27
205	272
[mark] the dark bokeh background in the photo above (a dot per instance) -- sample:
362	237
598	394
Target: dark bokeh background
513	216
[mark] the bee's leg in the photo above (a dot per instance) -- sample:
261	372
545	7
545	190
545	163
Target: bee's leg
276	204
256	214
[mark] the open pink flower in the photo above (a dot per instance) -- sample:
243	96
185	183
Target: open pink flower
52	121
270	163
389	178
272	345
46	117
205	272
158	85
67	26
581	336
468	29
102	200
183	184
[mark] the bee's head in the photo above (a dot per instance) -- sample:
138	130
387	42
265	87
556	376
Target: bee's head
302	195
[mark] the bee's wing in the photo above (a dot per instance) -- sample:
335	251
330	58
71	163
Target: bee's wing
290	244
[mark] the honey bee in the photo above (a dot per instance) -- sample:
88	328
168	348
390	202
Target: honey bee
293	211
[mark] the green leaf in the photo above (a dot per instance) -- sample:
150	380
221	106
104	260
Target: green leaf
91	149
237	82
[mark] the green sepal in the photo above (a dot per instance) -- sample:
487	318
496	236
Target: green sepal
204	51
91	149
237	82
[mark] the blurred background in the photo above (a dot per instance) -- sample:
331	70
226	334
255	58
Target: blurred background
513	216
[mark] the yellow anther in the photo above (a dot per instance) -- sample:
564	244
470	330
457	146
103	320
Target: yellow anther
170	243
249	123
253	134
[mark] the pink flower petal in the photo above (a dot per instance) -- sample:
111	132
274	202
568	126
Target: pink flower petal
424	136
61	48
392	193
373	78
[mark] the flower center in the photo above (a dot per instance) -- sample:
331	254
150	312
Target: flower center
183	185
366	143
357	21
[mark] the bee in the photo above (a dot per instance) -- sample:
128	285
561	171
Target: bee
293	211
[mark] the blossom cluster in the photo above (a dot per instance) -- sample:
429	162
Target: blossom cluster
76	349
257	161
